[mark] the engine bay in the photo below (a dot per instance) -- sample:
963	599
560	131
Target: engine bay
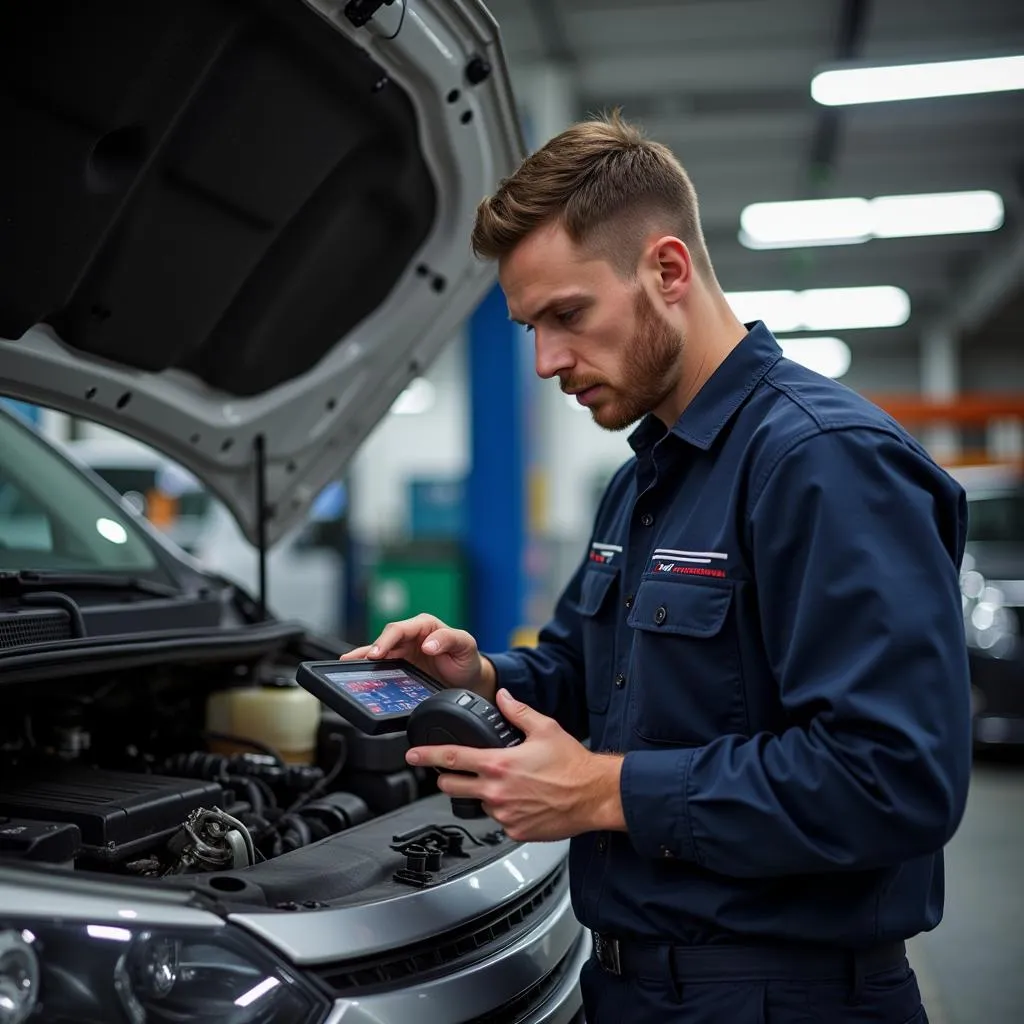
121	773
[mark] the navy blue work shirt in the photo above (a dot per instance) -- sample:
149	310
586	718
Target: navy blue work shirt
768	625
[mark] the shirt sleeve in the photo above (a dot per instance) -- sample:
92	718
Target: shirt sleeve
855	540
550	677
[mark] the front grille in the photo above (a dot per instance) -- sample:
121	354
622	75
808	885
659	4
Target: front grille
445	951
20	628
527	1002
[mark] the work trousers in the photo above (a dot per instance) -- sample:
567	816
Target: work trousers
652	993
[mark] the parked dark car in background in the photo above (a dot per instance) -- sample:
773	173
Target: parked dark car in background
992	583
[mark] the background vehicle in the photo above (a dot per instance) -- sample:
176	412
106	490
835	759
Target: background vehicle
305	570
992	581
234	232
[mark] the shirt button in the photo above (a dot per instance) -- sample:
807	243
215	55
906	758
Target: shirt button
660	615
647	519
666	852
629	602
602	844
620	680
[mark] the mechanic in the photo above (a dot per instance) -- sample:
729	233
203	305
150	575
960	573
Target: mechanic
764	641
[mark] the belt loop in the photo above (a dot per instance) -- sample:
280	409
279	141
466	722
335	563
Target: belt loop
674	974
856	975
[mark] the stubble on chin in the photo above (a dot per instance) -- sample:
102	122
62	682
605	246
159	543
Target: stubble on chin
652	362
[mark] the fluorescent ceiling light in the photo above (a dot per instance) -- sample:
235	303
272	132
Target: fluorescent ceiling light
106	931
843	86
823	309
827	356
941	213
805	222
849	221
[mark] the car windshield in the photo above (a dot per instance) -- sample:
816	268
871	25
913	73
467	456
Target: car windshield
997	518
52	518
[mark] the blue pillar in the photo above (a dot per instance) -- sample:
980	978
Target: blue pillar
495	490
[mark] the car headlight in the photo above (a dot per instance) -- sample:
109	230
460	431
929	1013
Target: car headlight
102	973
990	626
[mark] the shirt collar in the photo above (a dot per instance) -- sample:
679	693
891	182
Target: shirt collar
721	395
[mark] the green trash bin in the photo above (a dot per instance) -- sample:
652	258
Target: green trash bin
414	578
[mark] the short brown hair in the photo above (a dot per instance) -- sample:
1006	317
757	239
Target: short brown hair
607	184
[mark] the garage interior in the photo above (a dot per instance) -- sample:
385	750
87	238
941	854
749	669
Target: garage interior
466	488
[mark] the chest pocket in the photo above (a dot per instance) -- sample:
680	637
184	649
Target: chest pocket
685	673
597	615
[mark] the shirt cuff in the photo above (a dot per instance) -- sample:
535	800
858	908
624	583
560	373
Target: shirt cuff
513	675
653	788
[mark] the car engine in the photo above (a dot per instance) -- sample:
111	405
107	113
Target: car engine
120	775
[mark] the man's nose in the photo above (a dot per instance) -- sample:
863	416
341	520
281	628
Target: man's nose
551	357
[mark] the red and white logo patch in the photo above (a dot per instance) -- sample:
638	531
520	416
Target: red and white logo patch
605	554
688	563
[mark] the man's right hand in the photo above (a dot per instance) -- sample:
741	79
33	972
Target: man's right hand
449	655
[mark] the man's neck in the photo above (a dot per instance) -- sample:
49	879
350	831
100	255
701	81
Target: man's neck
713	333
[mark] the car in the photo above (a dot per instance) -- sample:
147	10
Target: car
234	232
992	585
304	571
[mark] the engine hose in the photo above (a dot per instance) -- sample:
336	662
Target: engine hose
249	845
251	791
295	833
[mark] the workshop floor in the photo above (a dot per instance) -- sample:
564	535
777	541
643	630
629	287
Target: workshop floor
971	968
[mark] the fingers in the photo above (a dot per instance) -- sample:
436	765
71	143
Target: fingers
458	759
400	638
355	654
521	715
454	642
469	787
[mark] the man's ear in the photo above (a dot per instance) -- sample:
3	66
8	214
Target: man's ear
673	266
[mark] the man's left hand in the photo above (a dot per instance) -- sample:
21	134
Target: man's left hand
549	787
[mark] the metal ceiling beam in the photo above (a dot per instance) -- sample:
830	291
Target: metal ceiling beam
996	282
827	133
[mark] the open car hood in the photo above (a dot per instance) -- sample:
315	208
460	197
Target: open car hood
236	229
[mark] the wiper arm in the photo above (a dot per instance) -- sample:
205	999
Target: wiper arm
30	581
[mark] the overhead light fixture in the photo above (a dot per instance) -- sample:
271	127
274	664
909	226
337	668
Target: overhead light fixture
827	356
843	86
823	309
850	221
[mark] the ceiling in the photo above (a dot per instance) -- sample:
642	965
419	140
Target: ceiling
725	84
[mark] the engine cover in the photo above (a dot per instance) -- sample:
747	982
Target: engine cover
118	813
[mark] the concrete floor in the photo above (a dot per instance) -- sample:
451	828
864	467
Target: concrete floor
971	968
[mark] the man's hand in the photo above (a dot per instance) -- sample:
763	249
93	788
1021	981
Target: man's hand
549	787
449	655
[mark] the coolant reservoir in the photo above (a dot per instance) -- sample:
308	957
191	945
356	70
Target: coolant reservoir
281	715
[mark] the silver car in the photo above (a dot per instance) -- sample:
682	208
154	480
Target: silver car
235	231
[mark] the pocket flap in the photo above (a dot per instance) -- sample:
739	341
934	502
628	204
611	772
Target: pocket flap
594	589
683	608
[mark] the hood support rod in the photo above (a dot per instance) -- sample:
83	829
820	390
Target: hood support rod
260	447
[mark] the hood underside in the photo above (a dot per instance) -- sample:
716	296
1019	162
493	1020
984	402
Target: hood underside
237	229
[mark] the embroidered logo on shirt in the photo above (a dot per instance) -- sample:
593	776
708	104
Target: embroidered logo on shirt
687	563
604	554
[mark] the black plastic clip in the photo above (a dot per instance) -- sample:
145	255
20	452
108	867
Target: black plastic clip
359	12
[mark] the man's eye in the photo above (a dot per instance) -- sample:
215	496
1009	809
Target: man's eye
568	317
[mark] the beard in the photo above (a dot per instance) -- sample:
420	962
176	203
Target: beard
651	370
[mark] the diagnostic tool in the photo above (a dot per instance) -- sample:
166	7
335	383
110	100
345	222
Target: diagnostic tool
392	695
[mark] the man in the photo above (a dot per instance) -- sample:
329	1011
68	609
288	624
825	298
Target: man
764	642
